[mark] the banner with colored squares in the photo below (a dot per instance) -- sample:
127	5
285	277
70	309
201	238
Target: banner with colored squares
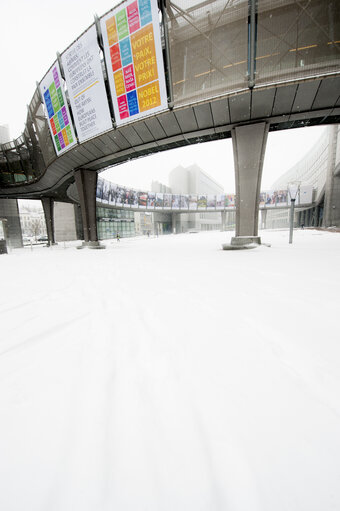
58	114
133	55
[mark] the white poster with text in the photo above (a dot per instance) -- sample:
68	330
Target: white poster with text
85	83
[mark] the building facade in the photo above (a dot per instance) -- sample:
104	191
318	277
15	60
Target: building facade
319	168
111	222
193	180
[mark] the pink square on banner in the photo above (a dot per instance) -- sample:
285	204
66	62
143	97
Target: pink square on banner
133	17
123	107
129	78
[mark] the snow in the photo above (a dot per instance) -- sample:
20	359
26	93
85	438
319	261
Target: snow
168	374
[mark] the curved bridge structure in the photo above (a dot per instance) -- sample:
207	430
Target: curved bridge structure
226	68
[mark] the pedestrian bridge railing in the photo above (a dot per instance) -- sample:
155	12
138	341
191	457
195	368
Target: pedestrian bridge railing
118	196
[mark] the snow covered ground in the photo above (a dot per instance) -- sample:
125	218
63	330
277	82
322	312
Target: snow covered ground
165	374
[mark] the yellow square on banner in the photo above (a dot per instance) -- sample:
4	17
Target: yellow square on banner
111	29
144	55
119	82
65	136
149	96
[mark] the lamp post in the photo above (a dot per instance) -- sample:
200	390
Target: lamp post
293	190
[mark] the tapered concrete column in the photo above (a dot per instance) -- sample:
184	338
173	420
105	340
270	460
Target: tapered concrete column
249	144
48	207
9	213
173	222
223	220
316	216
86	181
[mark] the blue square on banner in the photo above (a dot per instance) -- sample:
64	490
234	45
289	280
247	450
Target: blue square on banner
48	104
145	12
125	52
61	120
132	102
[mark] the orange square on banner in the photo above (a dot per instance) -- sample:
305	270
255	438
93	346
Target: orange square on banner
111	29
144	55
149	96
63	131
119	82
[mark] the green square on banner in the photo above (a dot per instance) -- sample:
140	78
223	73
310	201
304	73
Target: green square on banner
56	123
54	97
57	143
122	24
69	133
60	97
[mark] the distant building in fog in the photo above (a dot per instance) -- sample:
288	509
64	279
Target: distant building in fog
193	180
4	134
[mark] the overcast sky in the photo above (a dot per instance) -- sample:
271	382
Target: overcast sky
32	31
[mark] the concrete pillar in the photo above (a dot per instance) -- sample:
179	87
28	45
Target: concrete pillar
86	182
299	218
79	222
316	216
64	222
263	219
330	205
249	143
48	207
223	220
173	223
9	212
302	218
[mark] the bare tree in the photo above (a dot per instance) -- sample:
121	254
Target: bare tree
35	228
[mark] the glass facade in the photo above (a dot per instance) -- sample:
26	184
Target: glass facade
296	39
208	48
112	221
312	169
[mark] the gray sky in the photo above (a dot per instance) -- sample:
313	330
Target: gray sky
32	31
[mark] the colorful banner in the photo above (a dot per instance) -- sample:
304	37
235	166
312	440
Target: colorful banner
58	114
151	200
229	201
159	204
120	196
167	201
275	198
142	199
192	201
184	204
176	201
220	200
112	194
211	202
85	83
106	192
202	202
134	61
99	191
